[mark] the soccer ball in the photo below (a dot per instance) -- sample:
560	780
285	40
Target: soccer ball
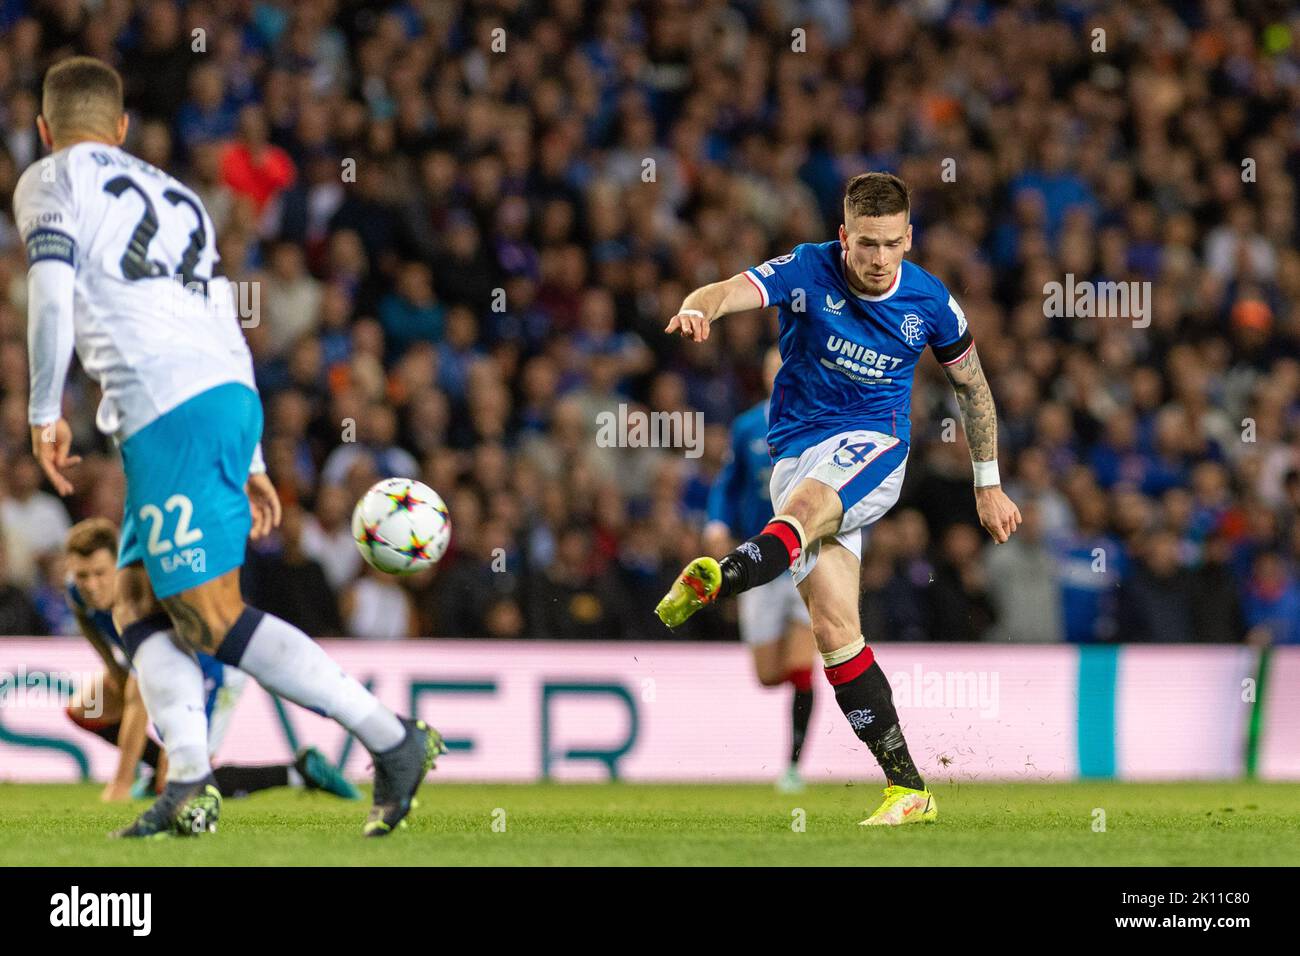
401	526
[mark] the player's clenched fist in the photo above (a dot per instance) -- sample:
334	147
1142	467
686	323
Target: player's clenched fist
691	323
998	513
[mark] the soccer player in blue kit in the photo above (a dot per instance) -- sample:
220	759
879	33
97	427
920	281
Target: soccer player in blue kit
854	319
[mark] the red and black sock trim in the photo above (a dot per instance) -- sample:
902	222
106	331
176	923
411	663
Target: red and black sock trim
800	678
788	535
763	558
852	668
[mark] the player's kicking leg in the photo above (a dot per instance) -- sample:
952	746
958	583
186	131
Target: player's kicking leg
810	509
309	770
774	623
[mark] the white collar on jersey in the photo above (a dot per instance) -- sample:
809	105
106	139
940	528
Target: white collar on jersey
898	278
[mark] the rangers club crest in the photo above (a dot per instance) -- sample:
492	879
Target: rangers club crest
911	328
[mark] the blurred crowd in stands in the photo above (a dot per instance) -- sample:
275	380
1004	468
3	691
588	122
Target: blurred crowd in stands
468	223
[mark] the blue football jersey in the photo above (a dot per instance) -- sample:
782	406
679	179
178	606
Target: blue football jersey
103	620
740	497
848	359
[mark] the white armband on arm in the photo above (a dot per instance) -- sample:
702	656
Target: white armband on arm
51	335
258	465
986	473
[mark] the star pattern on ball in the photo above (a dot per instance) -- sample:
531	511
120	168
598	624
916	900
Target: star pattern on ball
417	550
404	501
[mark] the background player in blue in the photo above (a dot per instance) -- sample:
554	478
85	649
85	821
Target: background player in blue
854	319
119	717
773	619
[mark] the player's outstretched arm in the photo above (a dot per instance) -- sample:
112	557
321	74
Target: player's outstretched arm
131	738
713	301
998	513
115	671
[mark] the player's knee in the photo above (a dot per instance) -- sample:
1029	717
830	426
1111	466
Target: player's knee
200	623
771	676
834	631
816	507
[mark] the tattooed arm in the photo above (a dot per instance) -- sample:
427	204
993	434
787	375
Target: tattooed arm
998	513
975	399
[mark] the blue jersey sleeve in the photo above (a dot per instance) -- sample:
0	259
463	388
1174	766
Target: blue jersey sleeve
950	338
75	600
724	494
778	279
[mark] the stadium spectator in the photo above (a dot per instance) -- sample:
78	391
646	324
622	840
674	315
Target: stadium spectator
1272	602
1155	602
571	597
960	609
283	580
253	167
18	614
291	300
34	521
1024	585
889	609
376	608
1217	613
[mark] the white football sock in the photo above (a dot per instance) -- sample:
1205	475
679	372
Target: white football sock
171	684
287	662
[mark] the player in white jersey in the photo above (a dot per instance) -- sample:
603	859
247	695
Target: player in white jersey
120	266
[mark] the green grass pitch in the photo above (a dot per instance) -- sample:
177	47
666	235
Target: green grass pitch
1205	824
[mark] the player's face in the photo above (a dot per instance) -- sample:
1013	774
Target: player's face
93	576
873	250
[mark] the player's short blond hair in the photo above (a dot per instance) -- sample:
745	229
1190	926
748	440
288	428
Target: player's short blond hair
876	194
82	95
93	534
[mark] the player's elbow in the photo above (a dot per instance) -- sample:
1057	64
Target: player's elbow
739	295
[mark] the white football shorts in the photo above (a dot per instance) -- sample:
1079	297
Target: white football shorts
766	612
864	467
